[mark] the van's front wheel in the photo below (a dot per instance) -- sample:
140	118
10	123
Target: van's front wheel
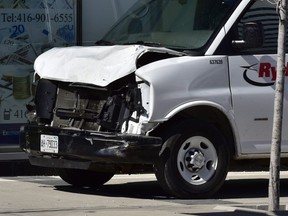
194	161
84	178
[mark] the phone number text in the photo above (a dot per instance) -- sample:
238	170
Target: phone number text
36	17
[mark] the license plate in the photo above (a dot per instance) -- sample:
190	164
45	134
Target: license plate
48	143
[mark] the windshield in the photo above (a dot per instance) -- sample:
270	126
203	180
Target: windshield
175	24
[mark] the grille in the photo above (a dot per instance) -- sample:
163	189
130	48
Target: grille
77	108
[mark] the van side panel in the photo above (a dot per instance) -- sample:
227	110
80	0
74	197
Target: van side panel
182	80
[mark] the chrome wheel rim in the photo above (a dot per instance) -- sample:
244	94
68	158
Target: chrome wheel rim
197	160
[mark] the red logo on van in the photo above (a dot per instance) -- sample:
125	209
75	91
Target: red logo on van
265	71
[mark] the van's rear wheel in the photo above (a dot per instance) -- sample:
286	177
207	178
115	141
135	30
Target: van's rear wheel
84	178
194	161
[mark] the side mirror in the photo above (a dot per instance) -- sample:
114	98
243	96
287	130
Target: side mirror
252	35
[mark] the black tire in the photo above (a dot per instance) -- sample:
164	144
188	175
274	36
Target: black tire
194	161
84	178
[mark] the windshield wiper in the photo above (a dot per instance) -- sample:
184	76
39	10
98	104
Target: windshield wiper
146	43
103	42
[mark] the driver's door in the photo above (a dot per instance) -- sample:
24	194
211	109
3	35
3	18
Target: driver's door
252	80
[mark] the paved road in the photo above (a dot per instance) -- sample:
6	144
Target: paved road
133	195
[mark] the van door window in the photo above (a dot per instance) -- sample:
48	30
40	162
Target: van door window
264	13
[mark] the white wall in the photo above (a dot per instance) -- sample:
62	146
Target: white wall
99	15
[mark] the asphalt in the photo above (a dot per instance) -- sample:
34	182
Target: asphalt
244	193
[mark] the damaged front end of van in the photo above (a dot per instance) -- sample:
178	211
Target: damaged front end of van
150	95
91	107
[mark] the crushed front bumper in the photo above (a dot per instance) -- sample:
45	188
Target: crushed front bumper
79	148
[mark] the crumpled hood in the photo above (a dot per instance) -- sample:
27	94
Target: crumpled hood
97	65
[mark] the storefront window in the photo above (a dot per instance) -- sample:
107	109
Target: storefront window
27	29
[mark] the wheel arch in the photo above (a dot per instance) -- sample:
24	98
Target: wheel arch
204	112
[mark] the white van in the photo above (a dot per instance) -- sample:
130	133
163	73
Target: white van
185	87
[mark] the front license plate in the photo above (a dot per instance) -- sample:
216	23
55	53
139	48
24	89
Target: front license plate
48	143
